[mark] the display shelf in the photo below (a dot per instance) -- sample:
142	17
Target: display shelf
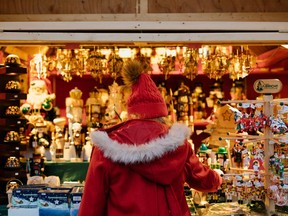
13	173
12	125
7	150
13	70
9	122
13	96
269	136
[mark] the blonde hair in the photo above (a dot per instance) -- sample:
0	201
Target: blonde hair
163	120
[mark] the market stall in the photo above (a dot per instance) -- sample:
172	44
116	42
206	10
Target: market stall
198	53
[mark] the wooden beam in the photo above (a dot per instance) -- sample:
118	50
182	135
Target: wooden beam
175	38
144	25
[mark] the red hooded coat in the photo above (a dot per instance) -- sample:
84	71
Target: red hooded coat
138	168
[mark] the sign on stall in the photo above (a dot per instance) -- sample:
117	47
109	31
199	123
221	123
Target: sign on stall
267	86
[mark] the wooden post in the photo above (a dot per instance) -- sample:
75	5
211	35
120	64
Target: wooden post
269	151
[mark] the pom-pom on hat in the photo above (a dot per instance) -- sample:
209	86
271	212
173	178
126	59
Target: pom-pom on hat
145	100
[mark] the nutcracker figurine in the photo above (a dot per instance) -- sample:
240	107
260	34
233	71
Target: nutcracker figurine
221	156
183	103
203	154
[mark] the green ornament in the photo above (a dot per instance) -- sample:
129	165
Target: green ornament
25	110
47	106
221	150
203	148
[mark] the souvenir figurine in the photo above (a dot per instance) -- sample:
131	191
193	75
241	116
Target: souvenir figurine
74	114
256	164
239	192
222	159
216	94
74	107
38	99
229	193
59	136
87	148
199	103
183	102
10	186
114	106
237	91
203	154
40	139
281	170
237	154
246	157
35	165
94	113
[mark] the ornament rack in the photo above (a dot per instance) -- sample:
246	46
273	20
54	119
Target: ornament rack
271	134
12	129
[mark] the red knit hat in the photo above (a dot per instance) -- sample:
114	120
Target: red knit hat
145	100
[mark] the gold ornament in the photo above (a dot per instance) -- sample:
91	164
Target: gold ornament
12	111
13	85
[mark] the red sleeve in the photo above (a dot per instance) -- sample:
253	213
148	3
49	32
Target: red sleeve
96	187
199	176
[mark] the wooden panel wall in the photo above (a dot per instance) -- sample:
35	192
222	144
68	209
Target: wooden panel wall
67	6
144	10
129	6
217	6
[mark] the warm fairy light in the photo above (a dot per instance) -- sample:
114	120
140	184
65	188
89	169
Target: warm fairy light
146	52
125	52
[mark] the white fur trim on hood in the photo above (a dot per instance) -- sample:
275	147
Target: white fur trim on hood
130	154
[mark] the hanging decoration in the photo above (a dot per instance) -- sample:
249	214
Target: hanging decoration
143	55
191	59
241	63
215	61
96	64
71	62
114	64
167	61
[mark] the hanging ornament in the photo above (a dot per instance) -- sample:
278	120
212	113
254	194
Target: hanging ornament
96	64
114	64
144	58
167	62
191	63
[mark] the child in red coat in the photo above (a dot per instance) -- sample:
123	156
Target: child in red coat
139	167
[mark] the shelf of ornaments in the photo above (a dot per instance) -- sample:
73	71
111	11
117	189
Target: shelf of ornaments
251	129
12	125
10	113
12	92
12	143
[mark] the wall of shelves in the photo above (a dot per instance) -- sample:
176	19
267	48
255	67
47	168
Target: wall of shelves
12	127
